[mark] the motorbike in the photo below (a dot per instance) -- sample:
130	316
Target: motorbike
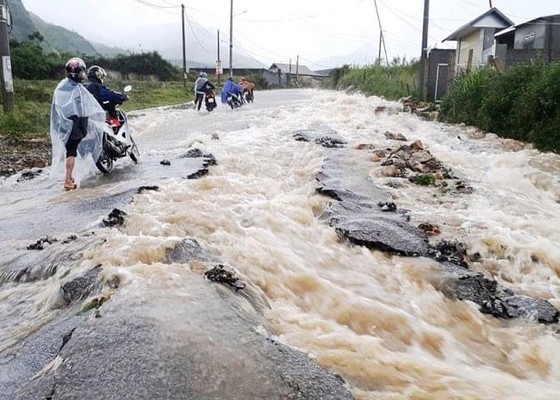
117	141
248	96
235	100
210	100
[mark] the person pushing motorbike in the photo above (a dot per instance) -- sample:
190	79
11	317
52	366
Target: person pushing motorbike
234	91
201	87
77	122
248	89
107	98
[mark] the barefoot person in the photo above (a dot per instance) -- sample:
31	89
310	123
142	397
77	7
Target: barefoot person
75	116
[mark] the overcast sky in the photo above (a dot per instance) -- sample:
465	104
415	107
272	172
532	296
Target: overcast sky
277	31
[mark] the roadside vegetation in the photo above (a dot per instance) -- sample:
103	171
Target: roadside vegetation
392	82
155	82
522	103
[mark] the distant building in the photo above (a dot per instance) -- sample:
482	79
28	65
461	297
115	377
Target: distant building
287	75
524	41
475	40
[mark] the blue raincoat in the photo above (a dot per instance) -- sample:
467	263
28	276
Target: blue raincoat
231	87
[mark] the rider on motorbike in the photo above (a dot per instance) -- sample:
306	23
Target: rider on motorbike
233	89
108	98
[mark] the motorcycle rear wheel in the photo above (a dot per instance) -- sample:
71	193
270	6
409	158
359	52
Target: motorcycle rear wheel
134	152
104	163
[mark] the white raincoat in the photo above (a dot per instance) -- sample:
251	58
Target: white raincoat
73	99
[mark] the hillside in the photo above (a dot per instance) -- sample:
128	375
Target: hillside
22	23
62	39
56	38
163	38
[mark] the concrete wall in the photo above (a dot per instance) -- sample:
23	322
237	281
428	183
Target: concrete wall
531	36
442	60
473	42
517	56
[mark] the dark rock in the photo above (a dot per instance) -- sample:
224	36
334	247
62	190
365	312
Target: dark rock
186	251
143	189
389	235
115	218
430	229
450	251
198	174
395	136
323	136
27	175
209	159
221	275
165	162
527	307
40	244
387	206
192	153
79	288
330	142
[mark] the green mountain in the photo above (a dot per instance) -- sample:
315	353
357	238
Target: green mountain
56	38
22	24
62	39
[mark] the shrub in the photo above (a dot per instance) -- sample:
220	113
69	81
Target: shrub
522	103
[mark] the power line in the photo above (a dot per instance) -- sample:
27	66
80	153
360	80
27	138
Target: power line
144	2
195	35
382	39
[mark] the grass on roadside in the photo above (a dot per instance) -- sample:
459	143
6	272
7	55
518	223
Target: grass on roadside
31	115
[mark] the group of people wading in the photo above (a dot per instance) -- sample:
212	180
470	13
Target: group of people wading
82	105
232	94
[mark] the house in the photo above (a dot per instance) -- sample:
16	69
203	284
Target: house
520	43
475	40
286	75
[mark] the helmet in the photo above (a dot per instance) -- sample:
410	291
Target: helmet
75	69
202	75
96	72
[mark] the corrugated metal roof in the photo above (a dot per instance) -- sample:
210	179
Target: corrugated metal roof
544	20
469	27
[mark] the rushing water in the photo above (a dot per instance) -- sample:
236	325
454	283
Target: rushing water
375	319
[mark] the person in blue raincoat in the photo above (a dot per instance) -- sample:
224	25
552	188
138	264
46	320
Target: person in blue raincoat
232	88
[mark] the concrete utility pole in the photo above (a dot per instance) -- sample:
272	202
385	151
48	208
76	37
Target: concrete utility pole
381	38
6	71
231	39
184	47
424	53
297	69
218	61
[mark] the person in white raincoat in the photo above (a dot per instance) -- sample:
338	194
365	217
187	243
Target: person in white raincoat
77	123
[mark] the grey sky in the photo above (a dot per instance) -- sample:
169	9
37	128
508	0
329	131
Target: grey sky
272	31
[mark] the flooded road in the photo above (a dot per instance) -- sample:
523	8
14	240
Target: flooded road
377	320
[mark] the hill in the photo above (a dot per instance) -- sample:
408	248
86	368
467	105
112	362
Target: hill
166	39
63	40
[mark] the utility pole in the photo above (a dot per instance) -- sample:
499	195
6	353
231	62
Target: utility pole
424	53
380	43
7	82
231	39
297	69
184	48
289	79
219	62
381	38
